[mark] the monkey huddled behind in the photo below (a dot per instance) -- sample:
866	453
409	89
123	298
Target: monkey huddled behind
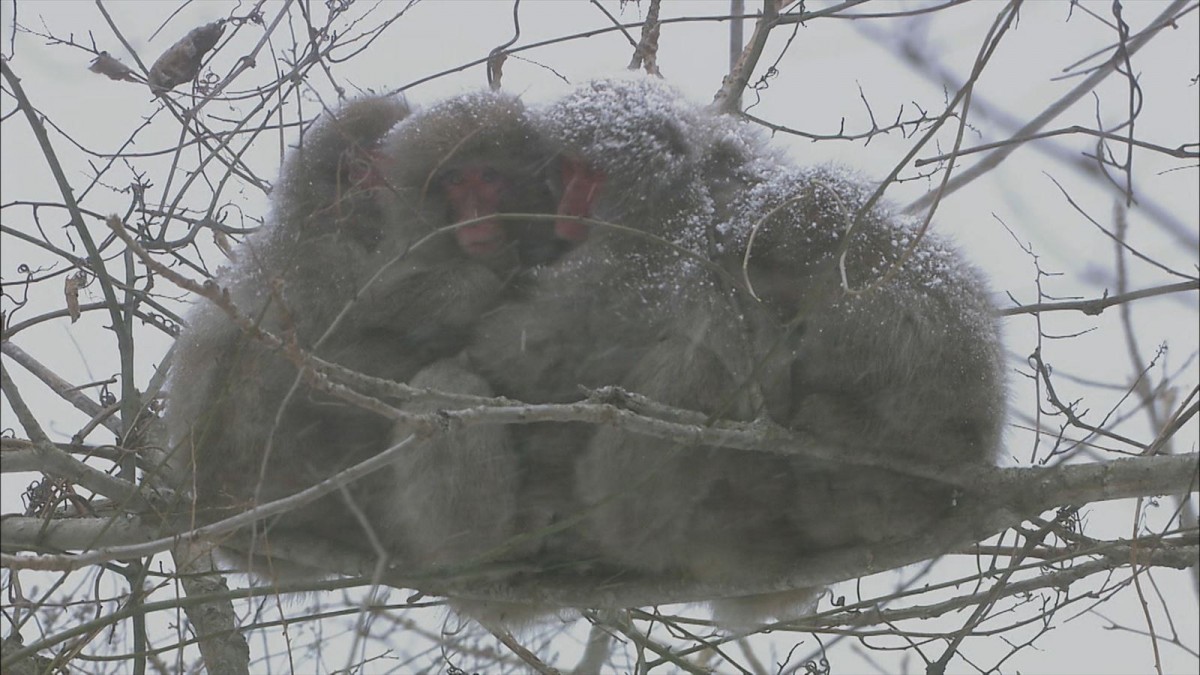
891	352
655	303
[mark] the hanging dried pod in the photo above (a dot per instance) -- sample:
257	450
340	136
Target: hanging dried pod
181	63
71	290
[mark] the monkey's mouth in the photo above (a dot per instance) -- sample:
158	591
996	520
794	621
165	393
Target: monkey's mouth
482	239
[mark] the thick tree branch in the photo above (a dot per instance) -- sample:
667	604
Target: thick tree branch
73	534
215	530
997	499
222	645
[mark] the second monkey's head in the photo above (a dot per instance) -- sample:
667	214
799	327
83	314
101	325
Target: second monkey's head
625	155
464	163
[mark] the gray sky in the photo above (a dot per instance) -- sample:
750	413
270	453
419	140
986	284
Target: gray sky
831	66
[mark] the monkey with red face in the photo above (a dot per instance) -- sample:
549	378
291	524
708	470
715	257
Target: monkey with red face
467	161
907	370
369	283
636	304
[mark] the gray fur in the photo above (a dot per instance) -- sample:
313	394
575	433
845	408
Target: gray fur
352	239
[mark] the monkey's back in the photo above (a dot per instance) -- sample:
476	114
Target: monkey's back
246	429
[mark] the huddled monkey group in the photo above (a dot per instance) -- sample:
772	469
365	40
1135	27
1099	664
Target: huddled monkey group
618	236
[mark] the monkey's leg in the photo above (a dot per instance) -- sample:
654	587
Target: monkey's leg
655	505
452	498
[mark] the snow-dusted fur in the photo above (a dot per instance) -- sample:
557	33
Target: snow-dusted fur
714	280
905	364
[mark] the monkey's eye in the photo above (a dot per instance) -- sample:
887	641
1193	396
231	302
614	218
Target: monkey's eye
453	177
489	175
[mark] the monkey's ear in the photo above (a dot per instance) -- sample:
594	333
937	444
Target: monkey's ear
366	120
671	138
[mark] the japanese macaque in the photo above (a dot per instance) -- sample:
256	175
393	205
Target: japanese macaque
894	350
452	497
908	370
243	427
687	263
371	283
894	353
638	305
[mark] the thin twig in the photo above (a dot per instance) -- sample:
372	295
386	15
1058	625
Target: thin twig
55	462
63	388
1182	151
1095	306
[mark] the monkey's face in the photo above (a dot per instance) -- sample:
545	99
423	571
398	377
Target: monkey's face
581	186
362	170
474	194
